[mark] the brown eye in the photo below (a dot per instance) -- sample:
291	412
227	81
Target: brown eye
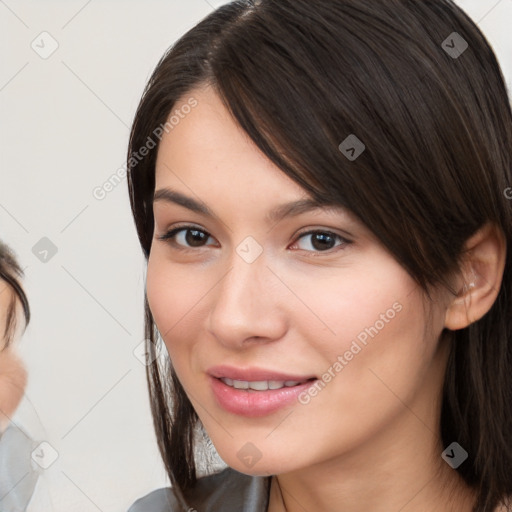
186	237
322	241
194	237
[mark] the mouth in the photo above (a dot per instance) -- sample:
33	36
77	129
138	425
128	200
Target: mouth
262	385
255	375
256	392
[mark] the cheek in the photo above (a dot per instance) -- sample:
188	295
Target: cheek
174	296
373	336
358	306
379	365
13	381
167	293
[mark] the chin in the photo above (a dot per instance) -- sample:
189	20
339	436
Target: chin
261	467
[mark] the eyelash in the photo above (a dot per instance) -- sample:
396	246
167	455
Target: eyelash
170	237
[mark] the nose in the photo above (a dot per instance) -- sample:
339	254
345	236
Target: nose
248	305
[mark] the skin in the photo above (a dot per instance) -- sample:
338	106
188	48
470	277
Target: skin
13	375
369	440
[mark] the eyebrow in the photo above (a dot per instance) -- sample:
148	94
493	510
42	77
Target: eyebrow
291	209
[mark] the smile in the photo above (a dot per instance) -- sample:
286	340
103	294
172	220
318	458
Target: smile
261	385
257	398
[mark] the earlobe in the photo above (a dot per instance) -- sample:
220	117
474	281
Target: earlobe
480	278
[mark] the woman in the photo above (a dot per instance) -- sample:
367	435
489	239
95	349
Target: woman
17	475
319	190
14	315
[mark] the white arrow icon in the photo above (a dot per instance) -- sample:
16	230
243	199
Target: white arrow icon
44	45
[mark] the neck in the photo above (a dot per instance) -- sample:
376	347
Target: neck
378	485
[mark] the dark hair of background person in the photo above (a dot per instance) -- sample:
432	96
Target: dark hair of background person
299	77
11	274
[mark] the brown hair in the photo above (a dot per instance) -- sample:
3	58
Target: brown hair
300	77
11	273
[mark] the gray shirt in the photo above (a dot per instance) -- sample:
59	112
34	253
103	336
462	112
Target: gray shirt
227	491
17	474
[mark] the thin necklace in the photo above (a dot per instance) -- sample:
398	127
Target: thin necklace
280	494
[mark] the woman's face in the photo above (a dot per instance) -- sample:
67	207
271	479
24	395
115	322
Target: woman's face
249	297
13	375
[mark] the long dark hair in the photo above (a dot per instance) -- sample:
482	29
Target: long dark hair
432	110
10	275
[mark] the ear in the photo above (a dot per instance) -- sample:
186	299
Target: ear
480	277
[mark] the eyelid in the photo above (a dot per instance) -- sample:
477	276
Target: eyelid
176	227
306	231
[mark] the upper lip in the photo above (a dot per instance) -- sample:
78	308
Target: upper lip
254	374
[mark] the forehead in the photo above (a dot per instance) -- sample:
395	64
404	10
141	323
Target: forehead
207	152
207	135
208	158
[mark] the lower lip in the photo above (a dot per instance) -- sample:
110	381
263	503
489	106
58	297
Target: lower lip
256	403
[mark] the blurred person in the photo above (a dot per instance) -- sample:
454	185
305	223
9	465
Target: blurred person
18	476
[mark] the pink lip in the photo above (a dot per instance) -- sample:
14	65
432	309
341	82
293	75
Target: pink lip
253	374
254	403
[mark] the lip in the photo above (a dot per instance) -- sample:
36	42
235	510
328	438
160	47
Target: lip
254	404
253	374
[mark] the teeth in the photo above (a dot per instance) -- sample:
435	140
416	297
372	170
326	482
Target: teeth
261	385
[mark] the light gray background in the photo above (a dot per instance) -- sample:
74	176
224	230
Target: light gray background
65	123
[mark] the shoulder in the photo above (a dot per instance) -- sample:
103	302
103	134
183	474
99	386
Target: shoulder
161	500
228	488
16	446
17	470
